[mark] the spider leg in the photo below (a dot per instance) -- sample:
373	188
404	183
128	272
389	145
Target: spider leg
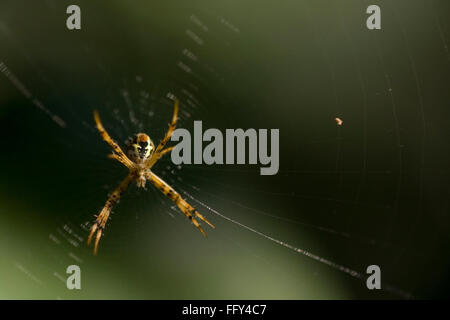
185	207
159	149
118	158
172	127
102	218
155	159
120	155
163	152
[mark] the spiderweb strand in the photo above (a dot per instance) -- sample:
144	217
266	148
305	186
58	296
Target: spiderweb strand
334	265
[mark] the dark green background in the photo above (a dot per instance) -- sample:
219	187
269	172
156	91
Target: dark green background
374	191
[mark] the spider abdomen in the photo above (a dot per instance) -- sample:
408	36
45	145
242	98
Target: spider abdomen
140	147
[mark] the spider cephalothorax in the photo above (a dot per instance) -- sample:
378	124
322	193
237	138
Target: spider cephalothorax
140	158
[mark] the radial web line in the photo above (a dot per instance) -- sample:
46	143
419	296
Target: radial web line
334	265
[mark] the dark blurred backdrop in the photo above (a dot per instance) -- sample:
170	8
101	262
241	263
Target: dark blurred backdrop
372	191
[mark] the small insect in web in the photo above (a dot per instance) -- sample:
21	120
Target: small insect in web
339	121
140	158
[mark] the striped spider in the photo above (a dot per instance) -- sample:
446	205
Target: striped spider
140	158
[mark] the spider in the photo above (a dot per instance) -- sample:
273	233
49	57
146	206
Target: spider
140	158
